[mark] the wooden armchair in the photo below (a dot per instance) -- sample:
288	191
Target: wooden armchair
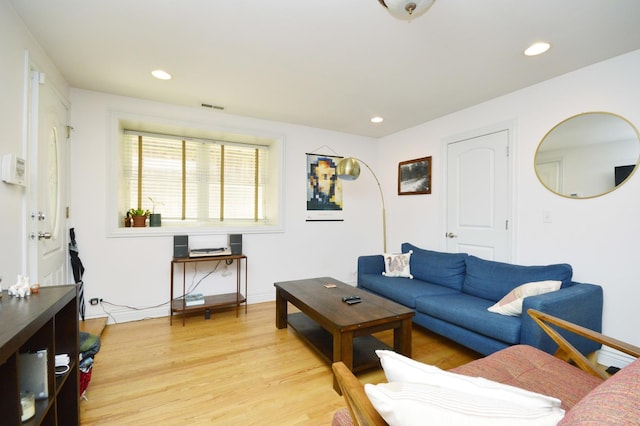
568	353
364	414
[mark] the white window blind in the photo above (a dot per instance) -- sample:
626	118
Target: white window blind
193	181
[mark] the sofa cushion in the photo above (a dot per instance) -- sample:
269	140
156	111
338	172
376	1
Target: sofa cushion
492	280
446	269
471	313
402	290
417	391
399	368
614	402
532	369
342	417
511	304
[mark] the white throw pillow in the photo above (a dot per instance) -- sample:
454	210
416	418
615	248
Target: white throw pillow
409	404
511	304
397	265
399	368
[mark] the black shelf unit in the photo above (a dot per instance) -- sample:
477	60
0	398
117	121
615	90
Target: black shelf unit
46	320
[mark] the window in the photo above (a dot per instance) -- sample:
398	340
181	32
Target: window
198	182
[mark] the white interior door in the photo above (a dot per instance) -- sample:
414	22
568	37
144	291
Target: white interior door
551	175
478	197
47	253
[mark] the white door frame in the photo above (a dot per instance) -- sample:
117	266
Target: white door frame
510	126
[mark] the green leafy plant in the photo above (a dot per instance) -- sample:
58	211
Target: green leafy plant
139	212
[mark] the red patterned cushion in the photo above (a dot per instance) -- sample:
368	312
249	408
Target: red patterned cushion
342	418
532	369
614	402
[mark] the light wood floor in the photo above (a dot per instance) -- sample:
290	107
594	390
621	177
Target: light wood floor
94	326
225	371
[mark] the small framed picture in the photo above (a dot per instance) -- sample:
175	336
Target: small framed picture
414	176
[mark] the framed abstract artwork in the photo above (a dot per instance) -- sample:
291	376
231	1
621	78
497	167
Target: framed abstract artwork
414	176
324	189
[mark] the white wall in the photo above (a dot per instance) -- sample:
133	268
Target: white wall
135	271
15	40
596	236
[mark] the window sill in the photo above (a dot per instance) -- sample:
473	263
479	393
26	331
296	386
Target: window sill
162	231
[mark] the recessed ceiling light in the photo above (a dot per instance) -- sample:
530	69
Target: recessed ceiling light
377	120
160	74
537	48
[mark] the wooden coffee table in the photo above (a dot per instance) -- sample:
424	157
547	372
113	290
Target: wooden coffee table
341	332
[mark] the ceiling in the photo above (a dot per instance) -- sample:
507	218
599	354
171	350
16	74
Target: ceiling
330	64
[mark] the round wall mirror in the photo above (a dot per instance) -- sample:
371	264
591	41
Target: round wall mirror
588	155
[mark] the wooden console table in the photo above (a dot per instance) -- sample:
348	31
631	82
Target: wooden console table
178	306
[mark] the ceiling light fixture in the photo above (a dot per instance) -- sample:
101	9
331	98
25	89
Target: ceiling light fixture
377	120
537	48
161	75
407	10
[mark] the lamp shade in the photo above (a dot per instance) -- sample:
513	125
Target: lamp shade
348	169
407	10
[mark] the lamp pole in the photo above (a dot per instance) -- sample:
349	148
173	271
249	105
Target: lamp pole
349	169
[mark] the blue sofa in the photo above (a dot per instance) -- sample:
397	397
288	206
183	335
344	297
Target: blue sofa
450	293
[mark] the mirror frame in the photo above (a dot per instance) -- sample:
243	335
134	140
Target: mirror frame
535	157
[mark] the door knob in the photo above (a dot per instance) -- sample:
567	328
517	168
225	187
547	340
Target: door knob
451	235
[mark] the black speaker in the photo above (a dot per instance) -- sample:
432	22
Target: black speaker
180	246
235	243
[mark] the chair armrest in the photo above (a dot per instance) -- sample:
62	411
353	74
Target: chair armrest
579	303
372	264
568	352
362	412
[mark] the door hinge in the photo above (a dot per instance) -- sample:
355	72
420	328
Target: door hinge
69	129
506	224
67	212
507	150
42	78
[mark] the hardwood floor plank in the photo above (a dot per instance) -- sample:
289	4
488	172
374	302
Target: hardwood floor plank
227	370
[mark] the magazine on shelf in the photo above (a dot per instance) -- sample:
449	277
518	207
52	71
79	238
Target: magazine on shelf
194	299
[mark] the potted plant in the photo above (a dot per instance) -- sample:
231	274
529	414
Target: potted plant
155	219
139	217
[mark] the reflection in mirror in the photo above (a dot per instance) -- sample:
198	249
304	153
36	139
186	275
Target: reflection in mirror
588	155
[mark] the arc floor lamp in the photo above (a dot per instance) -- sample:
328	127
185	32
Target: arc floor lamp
349	169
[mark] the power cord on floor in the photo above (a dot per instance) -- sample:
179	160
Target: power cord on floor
194	285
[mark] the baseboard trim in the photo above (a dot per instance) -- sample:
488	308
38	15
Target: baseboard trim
611	357
124	314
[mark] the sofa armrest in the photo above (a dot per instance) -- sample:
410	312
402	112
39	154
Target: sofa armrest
579	303
373	264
